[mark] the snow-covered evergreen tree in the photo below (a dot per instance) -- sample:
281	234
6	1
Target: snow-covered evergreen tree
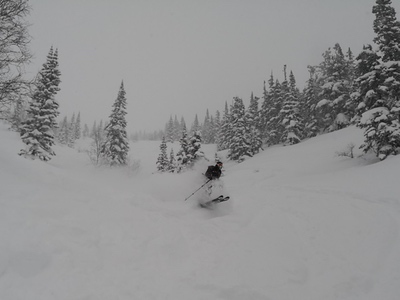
253	125
194	152
78	134
335	108
195	126
176	129
217	126
308	106
189	151
387	29
266	108
380	93
213	130
37	131
116	147
274	123
367	81
290	114
238	144
169	131
182	125
172	162
351	76
71	132
63	132
206	131
162	160
224	130
182	155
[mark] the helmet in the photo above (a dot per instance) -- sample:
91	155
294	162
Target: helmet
219	163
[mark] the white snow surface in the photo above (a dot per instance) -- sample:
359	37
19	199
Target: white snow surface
303	223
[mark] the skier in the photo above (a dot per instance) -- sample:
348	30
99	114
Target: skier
214	172
214	187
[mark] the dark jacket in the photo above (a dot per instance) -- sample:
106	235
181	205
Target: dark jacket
213	172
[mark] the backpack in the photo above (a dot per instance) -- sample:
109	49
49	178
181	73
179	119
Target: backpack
213	172
209	172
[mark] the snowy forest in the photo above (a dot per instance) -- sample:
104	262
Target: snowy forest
344	89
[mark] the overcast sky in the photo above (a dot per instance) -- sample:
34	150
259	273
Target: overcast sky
181	57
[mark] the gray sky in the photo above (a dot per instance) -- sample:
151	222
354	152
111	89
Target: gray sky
182	56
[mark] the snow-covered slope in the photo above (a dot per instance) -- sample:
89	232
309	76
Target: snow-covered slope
303	223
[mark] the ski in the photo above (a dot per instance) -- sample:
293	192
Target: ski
220	199
210	203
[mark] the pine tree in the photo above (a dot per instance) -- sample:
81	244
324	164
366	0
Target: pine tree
206	131
169	130
176	129
308	106
274	123
290	114
78	127
253	125
213	130
335	110
194	152
162	161
116	147
71	132
367	94
37	131
172	162
63	132
217	127
266	108
238	145
182	124
189	151
351	104
379	88
196	125
387	30
224	130
182	157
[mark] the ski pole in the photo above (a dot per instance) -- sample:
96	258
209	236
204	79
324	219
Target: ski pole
198	189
